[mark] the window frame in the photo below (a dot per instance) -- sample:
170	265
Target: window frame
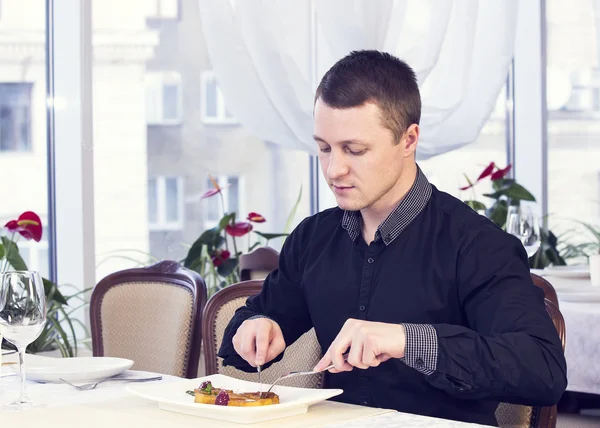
208	77
162	224
155	82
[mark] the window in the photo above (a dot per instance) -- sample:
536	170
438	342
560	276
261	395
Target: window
15	116
165	203
163	98
573	90
231	200
213	108
163	9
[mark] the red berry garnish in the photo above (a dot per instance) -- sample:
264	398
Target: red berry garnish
222	398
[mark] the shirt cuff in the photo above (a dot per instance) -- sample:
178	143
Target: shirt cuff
253	317
421	350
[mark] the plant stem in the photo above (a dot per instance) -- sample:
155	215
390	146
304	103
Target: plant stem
237	267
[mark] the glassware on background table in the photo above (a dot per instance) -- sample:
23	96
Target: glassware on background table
524	224
22	319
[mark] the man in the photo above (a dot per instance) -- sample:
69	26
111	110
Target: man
434	303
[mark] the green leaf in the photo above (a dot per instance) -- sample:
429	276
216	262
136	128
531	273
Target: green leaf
253	246
211	238
12	254
595	232
227	267
514	191
269	236
290	219
227	219
1	251
497	213
476	205
52	292
502	183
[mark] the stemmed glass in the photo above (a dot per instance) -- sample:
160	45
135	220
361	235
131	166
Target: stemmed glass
524	224
22	318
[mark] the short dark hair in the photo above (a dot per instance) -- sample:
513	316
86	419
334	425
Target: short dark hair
377	77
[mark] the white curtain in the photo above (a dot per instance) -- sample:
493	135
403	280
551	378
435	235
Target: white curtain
269	55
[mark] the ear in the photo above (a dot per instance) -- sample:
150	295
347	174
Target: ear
410	140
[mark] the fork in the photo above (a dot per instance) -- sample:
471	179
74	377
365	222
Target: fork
90	386
294	374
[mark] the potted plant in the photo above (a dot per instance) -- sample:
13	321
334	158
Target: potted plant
507	195
59	331
215	254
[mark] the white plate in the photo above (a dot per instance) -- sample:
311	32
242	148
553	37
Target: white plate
568	271
76	369
172	397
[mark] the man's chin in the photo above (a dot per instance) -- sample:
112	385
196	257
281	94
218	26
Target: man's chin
348	205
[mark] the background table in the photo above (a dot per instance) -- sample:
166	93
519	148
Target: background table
582	320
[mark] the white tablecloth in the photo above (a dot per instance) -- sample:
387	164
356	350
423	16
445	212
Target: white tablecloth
111	406
582	320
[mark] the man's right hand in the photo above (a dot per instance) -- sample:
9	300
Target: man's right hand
258	341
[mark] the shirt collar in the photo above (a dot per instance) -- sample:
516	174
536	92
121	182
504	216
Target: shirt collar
407	210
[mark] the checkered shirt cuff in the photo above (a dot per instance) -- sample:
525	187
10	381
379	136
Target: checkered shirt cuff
421	347
254	317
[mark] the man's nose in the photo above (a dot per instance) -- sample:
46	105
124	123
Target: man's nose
337	166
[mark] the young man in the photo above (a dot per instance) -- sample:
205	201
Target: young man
434	303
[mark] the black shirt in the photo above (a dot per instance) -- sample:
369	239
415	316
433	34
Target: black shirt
477	329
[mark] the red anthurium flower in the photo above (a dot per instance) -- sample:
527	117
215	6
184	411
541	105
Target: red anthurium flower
28	225
500	173
466	187
487	171
209	193
256	217
218	257
239	228
212	192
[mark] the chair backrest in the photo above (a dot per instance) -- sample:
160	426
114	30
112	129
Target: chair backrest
549	291
515	415
258	264
152	316
301	355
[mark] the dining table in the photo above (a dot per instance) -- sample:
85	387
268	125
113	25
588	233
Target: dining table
110	404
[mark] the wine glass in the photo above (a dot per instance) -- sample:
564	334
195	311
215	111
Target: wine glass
524	224
22	319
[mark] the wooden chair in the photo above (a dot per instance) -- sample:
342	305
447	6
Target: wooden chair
301	355
152	316
514	415
258	264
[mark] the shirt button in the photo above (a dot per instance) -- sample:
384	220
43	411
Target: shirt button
370	260
419	363
364	403
362	308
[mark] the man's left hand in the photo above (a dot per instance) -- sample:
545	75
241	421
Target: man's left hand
371	343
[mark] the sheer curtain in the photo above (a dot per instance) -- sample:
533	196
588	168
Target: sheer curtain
268	56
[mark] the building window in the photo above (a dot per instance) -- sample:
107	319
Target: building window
164	103
231	190
15	116
165	203
213	108
163	9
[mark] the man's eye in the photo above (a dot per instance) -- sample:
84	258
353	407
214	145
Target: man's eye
325	149
356	153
